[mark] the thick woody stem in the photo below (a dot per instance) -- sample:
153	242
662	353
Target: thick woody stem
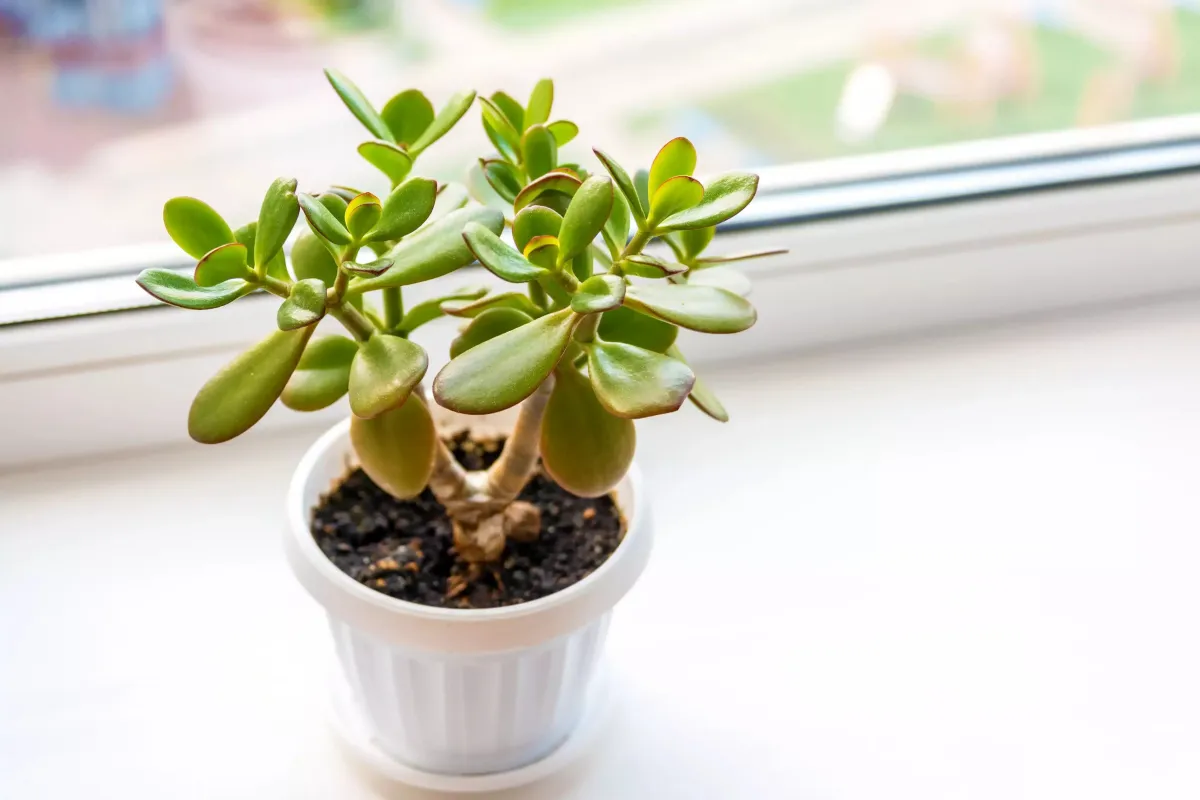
509	474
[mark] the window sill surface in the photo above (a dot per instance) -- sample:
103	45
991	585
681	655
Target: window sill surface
956	566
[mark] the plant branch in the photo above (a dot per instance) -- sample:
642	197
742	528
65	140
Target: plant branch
509	474
393	307
359	326
636	244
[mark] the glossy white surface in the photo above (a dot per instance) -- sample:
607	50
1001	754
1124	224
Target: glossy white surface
971	573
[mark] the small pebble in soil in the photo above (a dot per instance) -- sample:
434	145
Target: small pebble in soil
403	548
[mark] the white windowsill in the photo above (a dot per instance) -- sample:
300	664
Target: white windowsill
951	567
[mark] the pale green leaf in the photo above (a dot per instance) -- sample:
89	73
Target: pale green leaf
305	305
276	218
700	308
227	262
433	251
450	114
497	256
180	290
385	371
240	394
195	226
723	199
635	383
585	449
407	115
586	215
322	376
504	371
598	293
397	448
677	157
358	104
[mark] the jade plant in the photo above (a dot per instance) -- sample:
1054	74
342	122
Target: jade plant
583	343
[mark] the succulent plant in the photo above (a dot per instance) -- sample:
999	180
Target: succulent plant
584	348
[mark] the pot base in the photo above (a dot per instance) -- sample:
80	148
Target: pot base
356	741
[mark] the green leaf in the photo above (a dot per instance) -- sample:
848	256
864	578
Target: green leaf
585	216
550	182
195	226
406	209
635	383
227	262
245	389
563	131
539	151
585	449
677	194
511	109
362	213
722	278
180	290
276	219
388	159
581	265
358	104
677	157
497	256
407	115
598	293
534	221
700	308
276	267
335	202
626	325
616	228
450	114
541	99
369	269
542	251
732	257
502	178
305	305
310	259
645	265
641	181
466	307
385	371
701	396
322	221
345	192
429	310
322	376
433	251
397	448
500	130
693	241
723	198
489	324
624	184
504	371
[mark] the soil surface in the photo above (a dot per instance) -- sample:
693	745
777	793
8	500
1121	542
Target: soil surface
403	548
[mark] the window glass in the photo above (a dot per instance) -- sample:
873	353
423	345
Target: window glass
112	106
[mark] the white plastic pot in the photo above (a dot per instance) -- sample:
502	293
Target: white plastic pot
457	691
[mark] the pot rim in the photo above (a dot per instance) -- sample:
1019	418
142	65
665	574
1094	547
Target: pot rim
460	629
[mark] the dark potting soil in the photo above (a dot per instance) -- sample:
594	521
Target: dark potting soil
404	548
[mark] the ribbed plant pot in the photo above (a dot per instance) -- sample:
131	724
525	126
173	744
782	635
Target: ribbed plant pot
462	691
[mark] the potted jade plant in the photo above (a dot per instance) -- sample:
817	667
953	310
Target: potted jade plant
468	574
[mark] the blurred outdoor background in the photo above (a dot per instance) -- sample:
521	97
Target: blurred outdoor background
112	106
